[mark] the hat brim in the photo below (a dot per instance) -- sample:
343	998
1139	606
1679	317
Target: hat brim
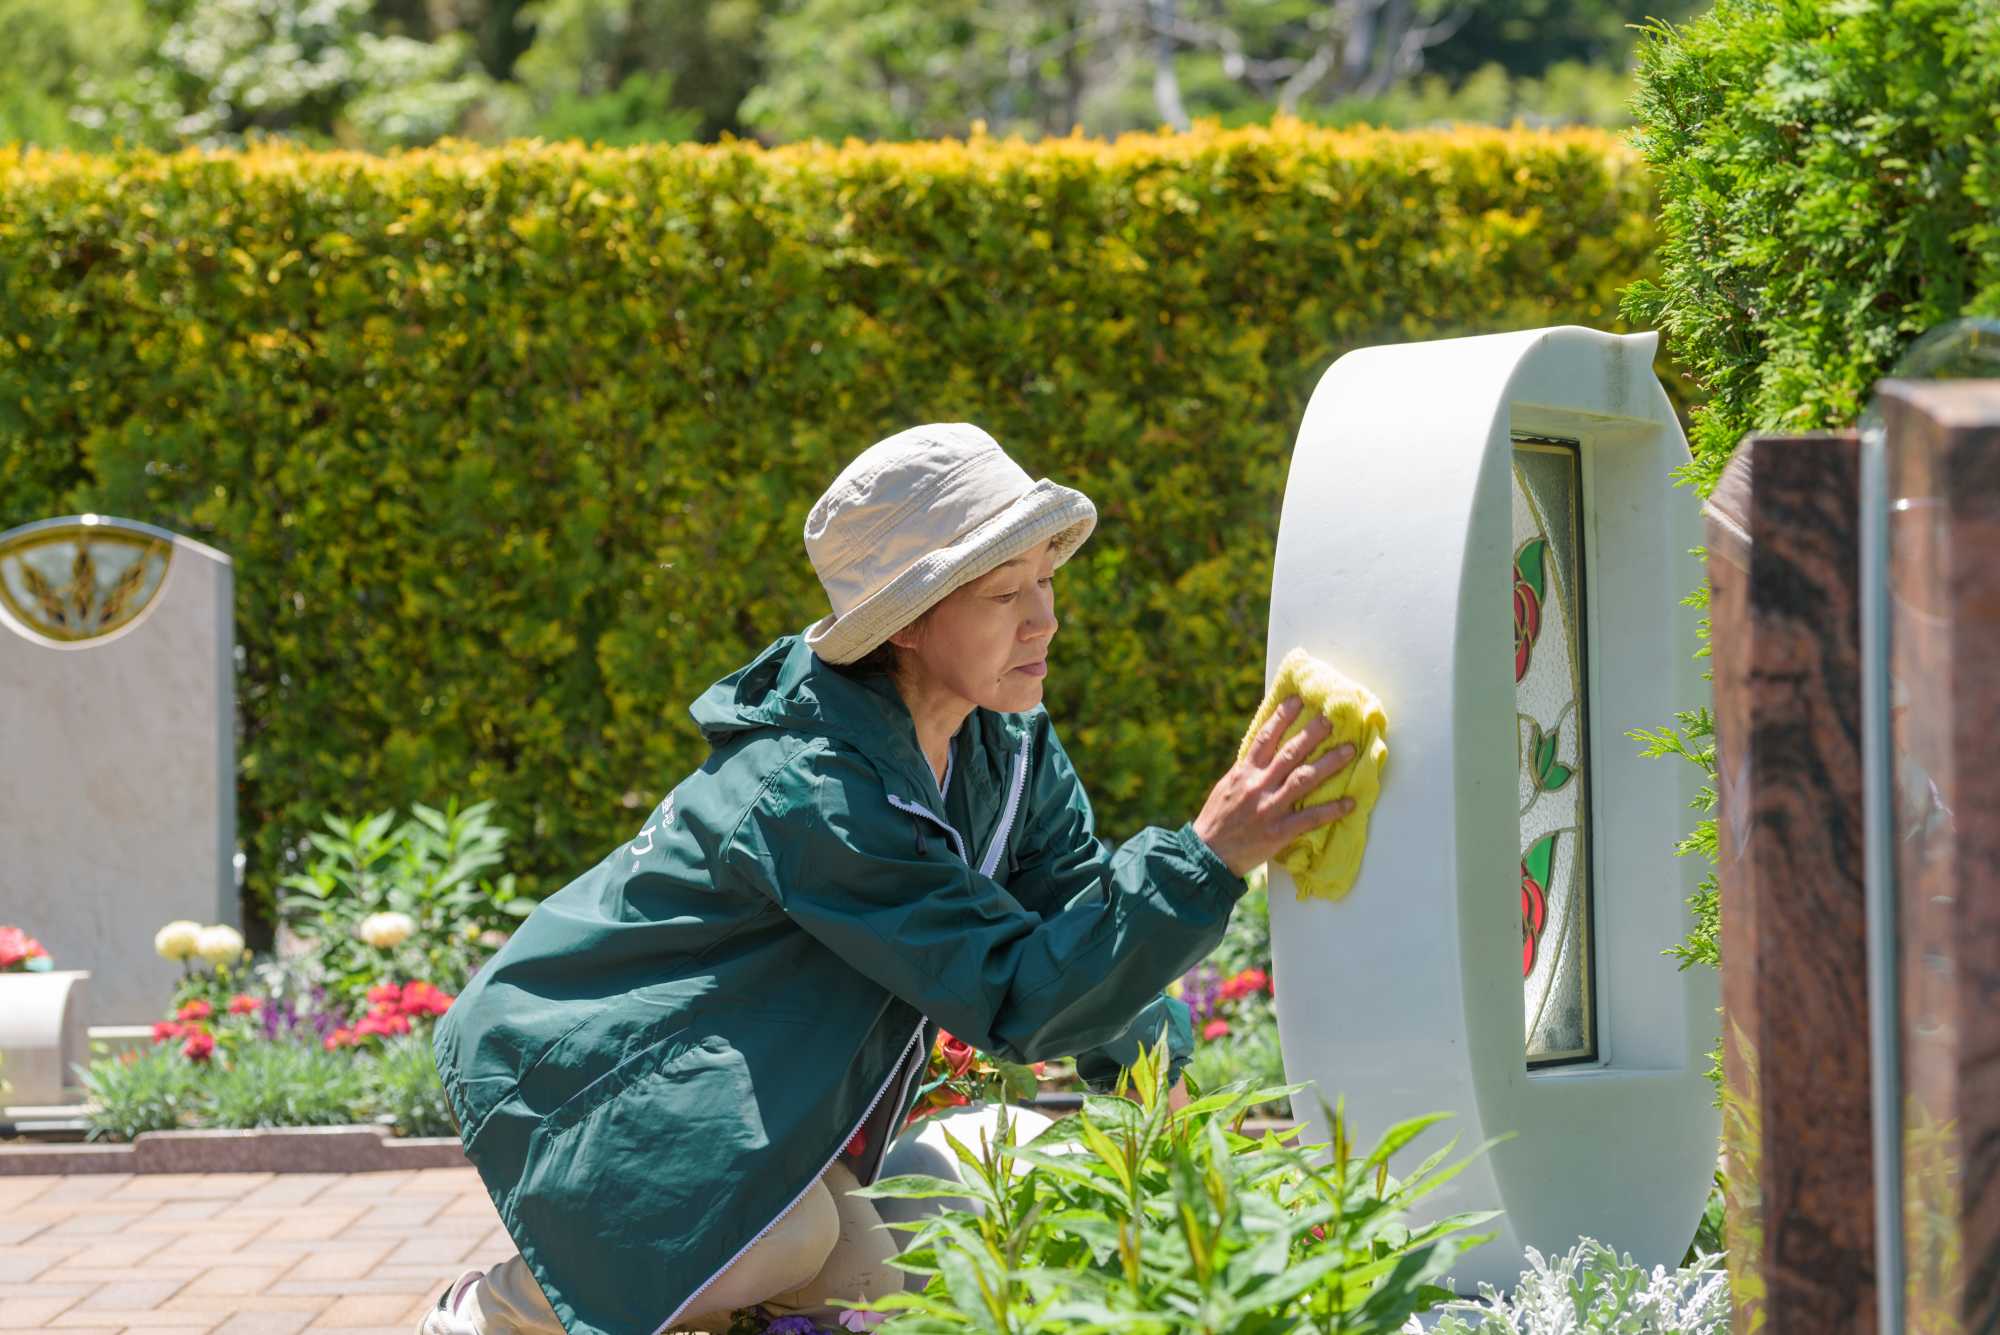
1046	510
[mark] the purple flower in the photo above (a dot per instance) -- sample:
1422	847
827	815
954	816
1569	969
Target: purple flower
793	1325
1201	989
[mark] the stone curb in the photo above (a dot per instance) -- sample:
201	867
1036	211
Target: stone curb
295	1149
292	1149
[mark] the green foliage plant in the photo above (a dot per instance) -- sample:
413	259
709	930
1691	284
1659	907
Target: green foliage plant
1592	1290
1133	1216
1829	176
428	868
512	448
142	1089
1233	986
283	1084
248	1082
403	1086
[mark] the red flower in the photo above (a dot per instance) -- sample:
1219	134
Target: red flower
383	1022
244	1004
200	1043
1246	983
164	1030
17	947
1534	911
859	1145
340	1038
391	993
1215	1029
196	1010
422	999
1319	1232
957	1053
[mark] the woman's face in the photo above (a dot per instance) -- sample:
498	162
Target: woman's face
975	643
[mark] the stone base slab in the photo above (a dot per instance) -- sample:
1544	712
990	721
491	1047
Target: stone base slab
301	1149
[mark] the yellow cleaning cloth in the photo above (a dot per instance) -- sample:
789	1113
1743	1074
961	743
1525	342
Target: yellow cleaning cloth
1325	859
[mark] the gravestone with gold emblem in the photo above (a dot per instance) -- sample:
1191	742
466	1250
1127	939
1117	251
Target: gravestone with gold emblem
117	753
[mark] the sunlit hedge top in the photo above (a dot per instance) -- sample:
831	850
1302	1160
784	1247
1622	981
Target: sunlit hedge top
513	447
1830	188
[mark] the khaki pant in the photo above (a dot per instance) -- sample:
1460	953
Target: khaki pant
830	1246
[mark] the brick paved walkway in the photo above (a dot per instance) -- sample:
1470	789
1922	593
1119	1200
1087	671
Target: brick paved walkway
238	1253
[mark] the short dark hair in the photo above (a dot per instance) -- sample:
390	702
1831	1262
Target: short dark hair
880	659
885	658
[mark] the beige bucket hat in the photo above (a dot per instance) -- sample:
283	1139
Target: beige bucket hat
915	516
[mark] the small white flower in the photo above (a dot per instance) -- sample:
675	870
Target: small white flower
219	944
178	940
386	931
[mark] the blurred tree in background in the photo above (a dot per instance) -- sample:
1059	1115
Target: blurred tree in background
382	73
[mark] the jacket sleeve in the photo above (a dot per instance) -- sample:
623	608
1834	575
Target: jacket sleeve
1057	859
823	842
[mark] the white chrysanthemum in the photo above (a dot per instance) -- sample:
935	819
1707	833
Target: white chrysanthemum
178	940
386	931
219	944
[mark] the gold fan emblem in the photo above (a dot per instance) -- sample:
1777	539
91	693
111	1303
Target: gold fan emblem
82	577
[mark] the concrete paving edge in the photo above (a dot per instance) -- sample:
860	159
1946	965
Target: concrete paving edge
292	1149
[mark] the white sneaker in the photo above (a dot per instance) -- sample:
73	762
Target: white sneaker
444	1319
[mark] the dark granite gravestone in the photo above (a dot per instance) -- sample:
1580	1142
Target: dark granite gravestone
1943	613
1783	573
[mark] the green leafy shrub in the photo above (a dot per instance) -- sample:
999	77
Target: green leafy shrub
283	1084
150	1089
512	448
1829	176
1130	1215
243	1081
1592	1290
403	1084
386	900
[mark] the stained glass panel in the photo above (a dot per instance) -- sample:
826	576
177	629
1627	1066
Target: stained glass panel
77	581
1551	744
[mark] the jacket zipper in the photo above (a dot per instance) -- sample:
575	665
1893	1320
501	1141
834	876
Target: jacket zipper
918	809
689	1302
1014	790
998	844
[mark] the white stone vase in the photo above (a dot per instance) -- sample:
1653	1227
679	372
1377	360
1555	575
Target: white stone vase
41	1034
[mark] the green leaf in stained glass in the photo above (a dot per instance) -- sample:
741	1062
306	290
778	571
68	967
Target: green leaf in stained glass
1540	855
1528	565
1555	776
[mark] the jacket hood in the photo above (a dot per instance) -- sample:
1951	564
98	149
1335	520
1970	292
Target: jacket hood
788	686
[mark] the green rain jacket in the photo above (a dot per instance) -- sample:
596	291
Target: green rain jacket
670	1051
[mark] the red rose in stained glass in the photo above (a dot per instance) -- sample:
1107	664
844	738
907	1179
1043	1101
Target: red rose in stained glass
1536	865
1529	587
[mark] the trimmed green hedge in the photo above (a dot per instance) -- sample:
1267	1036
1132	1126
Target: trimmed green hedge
513	448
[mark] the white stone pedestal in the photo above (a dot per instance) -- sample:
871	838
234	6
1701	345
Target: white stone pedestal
42	1035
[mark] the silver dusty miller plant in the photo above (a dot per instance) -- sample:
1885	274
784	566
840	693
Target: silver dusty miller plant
1592	1290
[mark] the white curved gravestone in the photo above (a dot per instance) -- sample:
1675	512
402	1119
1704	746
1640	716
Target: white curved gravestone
1484	531
117	751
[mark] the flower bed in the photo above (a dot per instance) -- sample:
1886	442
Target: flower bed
1231	996
390	921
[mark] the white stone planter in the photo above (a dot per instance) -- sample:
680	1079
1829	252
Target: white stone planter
41	1034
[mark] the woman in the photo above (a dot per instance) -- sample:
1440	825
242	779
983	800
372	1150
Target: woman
672	1074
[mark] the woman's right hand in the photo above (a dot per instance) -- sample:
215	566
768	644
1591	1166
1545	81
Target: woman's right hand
1248	816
